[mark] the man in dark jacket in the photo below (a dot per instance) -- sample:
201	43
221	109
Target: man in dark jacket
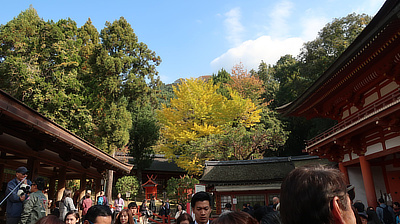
14	201
36	204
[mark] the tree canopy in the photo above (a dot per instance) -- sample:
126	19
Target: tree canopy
89	82
199	111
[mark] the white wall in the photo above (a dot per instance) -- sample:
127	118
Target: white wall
356	180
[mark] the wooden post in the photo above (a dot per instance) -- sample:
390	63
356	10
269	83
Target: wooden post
82	186
343	169
98	189
33	167
52	188
2	174
62	175
110	178
368	181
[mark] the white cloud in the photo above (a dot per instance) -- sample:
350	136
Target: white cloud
311	24
280	13
233	26
251	52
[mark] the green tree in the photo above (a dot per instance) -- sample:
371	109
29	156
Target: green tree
143	136
265	73
333	39
127	184
296	75
222	78
180	189
39	65
89	82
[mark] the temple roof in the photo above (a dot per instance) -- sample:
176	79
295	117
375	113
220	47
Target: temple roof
267	170
352	73
25	133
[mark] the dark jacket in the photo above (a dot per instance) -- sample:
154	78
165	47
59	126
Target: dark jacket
34	208
162	211
14	203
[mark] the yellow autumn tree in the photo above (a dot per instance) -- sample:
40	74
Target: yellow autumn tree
196	112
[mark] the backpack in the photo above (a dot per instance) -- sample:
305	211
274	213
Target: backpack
387	216
100	200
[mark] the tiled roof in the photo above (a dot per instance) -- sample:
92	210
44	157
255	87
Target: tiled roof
268	170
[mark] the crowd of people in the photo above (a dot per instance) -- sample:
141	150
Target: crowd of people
314	194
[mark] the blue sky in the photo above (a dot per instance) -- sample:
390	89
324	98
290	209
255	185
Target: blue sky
195	38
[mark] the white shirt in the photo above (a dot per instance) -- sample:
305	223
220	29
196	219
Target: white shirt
195	222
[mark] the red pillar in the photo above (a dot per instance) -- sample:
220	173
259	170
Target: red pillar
343	169
368	181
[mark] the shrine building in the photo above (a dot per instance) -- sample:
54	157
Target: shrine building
360	90
48	150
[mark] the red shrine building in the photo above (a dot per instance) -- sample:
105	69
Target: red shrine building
361	92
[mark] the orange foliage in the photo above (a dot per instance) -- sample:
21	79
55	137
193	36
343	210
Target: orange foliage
246	85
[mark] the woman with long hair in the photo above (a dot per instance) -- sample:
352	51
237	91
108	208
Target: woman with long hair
184	218
125	217
72	217
179	211
235	218
144	212
66	204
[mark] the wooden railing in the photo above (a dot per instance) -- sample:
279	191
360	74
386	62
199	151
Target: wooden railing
367	112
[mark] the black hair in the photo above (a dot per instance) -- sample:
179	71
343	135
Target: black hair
359	206
262	211
75	213
271	218
97	210
200	196
132	204
307	194
40	183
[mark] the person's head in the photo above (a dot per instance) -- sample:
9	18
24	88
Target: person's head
88	193
228	206
67	193
144	202
381	201
275	200
396	205
180	207
38	184
201	206
124	217
101	193
359	206
235	218
351	192
50	219
184	218
372	216
245	205
21	173
119	195
262	211
315	195
133	208
72	217
271	218
363	217
98	214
